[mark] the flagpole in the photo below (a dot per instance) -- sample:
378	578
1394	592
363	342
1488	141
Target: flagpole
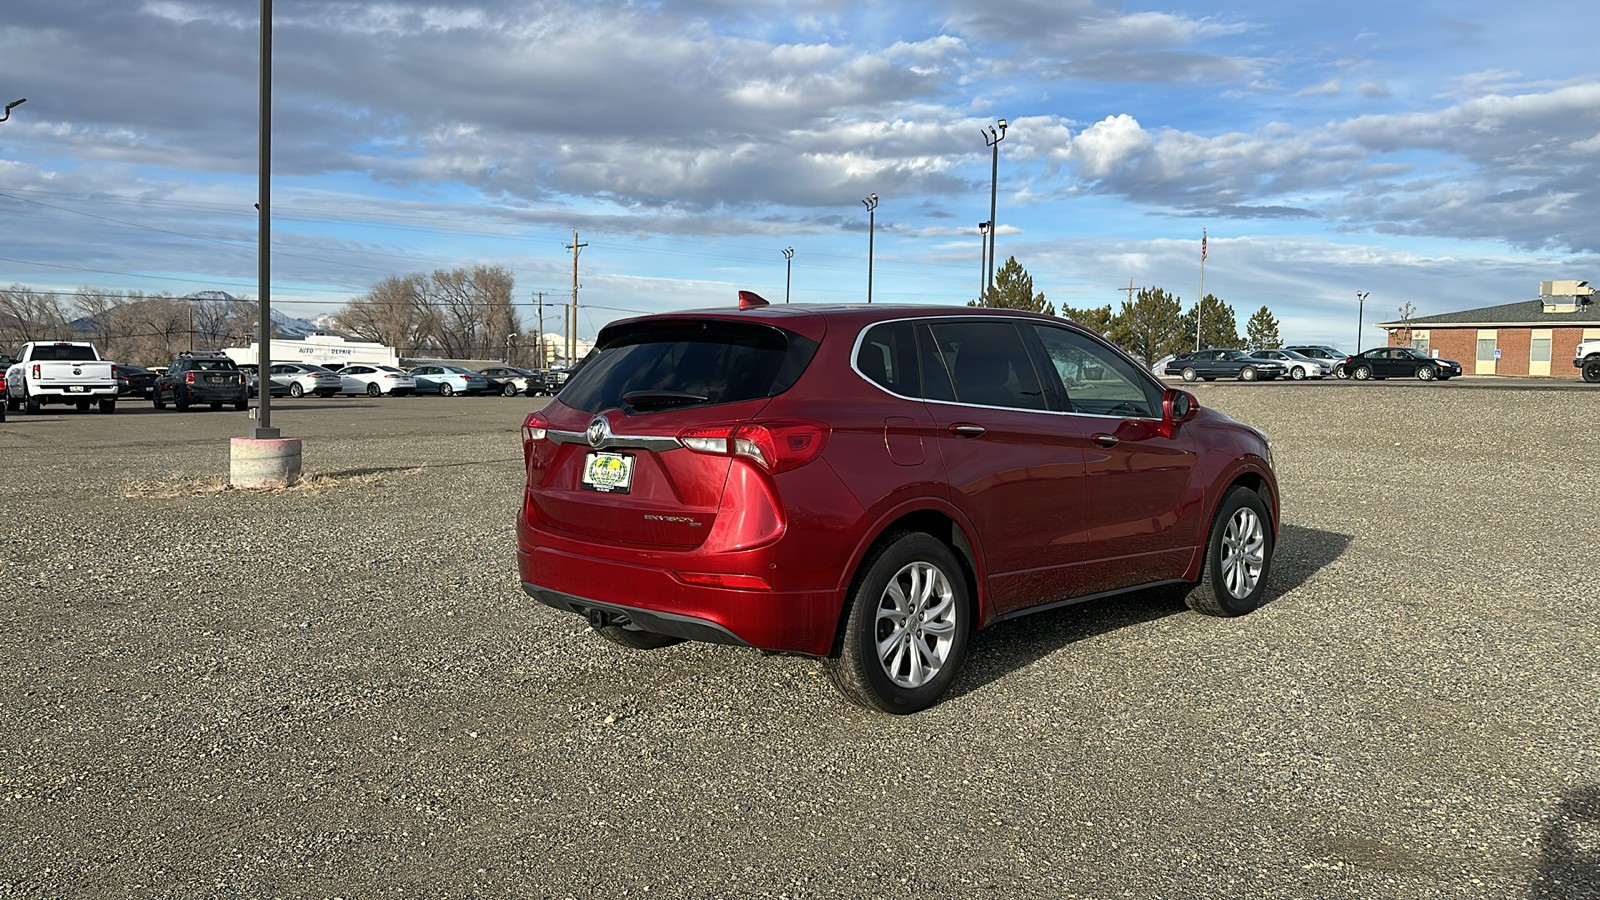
1200	304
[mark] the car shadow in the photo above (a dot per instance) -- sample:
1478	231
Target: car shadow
1569	849
1018	643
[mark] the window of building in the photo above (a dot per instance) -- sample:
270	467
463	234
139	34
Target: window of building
1539	350
1486	347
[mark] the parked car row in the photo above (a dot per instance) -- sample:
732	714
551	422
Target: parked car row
194	375
1311	361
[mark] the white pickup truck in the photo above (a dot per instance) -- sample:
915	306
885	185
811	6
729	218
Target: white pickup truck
1587	358
61	372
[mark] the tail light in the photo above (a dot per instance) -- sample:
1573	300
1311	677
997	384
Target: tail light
36	369
534	429
776	446
188	378
113	370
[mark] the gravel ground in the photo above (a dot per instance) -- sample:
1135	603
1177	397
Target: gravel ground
340	690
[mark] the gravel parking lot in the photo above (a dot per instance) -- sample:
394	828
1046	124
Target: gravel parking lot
340	689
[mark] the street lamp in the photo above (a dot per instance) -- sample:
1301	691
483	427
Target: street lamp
1361	304
871	203
992	138
12	105
983	258
788	270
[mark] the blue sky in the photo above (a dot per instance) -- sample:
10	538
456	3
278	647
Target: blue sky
1442	154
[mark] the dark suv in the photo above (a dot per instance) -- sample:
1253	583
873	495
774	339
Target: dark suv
202	379
870	484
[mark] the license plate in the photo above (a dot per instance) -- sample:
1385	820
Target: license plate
610	473
77	388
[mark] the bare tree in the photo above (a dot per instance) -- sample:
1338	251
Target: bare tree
30	315
455	313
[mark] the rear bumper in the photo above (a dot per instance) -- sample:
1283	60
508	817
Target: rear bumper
577	578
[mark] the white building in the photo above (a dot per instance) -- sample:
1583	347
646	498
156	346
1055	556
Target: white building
318	349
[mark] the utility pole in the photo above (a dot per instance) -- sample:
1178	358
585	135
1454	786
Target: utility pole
1129	291
538	342
572	328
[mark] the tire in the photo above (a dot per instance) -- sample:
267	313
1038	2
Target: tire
445	390
1298	373
1340	372
1189	374
1591	371
912	579
159	403
1248	373
634	639
241	405
510	390
373	390
296	391
1362	373
180	402
108	407
1238	557
31	404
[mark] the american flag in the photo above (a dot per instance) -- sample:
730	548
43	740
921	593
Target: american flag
1202	245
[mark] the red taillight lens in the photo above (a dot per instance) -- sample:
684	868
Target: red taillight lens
113	370
188	378
775	446
534	429
36	369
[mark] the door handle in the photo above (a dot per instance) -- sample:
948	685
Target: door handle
966	431
1106	440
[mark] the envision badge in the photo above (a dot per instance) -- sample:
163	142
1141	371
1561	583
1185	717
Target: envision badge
599	431
651	517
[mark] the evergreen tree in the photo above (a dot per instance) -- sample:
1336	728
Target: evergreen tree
1096	318
1013	289
1149	326
1219	327
1261	331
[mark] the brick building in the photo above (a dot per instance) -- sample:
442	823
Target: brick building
1529	337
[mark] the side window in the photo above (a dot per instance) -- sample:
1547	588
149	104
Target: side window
991	365
888	356
1097	379
934	361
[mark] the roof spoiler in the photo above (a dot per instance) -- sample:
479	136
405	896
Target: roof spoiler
751	300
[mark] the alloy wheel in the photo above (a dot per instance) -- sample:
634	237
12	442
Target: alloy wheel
1243	552
916	624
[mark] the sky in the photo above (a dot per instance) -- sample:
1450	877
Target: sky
1442	154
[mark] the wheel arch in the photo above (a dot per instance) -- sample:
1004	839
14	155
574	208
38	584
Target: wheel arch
1252	474
936	522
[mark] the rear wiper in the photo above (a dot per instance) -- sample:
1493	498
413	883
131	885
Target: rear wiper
662	399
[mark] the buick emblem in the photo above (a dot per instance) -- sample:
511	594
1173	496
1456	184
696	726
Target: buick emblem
599	431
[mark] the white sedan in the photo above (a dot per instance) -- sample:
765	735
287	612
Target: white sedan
375	381
1300	366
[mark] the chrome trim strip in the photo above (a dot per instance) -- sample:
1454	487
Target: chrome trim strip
627	441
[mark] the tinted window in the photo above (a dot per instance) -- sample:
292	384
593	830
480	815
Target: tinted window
1096	378
673	363
888	356
990	364
68	353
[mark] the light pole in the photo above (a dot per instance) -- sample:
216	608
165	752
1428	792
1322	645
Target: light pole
1361	305
992	139
871	203
788	270
12	105
983	258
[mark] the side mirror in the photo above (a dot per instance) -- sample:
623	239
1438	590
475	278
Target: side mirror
1177	407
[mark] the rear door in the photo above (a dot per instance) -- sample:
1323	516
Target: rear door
1012	467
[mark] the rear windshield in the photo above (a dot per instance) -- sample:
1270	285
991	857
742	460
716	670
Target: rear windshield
215	365
668	364
63	353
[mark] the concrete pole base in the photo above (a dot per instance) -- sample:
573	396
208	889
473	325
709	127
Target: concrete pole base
265	463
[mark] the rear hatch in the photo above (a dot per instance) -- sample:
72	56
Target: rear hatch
614	466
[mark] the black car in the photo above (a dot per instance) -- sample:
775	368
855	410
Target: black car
511	380
1400	362
135	380
202	379
1214	364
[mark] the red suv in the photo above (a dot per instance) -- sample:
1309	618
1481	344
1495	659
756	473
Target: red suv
869	484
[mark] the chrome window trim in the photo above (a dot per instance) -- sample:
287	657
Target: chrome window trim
861	337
